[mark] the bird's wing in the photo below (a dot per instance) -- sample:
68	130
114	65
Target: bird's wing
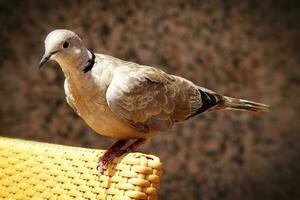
147	98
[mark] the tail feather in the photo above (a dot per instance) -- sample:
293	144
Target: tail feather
211	101
243	105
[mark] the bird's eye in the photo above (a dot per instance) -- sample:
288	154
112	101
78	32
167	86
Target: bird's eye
66	45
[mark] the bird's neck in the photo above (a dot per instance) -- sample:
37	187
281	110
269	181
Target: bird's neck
72	67
82	85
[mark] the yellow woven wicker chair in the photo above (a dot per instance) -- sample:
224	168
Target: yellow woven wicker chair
34	170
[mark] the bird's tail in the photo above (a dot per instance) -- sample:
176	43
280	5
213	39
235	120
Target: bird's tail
211	101
230	103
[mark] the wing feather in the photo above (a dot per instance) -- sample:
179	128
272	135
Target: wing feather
147	97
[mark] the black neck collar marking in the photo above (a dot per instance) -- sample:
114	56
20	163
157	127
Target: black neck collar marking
89	65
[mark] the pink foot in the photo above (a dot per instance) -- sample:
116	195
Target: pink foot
116	151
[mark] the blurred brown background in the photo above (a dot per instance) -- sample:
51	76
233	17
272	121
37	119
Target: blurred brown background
247	49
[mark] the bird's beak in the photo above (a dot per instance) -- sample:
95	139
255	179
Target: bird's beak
46	57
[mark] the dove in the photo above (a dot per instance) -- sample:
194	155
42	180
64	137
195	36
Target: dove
128	101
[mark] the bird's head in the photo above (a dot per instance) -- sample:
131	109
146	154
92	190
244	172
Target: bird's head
65	47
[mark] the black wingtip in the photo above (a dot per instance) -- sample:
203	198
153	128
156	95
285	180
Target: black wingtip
208	101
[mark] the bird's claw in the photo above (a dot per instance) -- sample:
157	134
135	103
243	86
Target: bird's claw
100	167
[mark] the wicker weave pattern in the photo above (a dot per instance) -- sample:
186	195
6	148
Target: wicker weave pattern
33	170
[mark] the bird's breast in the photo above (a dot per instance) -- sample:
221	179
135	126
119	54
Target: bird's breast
90	104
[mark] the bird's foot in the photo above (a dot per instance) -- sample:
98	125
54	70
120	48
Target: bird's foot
108	157
109	154
100	167
116	151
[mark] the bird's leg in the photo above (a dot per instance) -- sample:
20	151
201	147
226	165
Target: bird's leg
110	154
116	151
131	147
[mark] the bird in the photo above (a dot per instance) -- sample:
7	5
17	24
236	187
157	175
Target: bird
128	101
